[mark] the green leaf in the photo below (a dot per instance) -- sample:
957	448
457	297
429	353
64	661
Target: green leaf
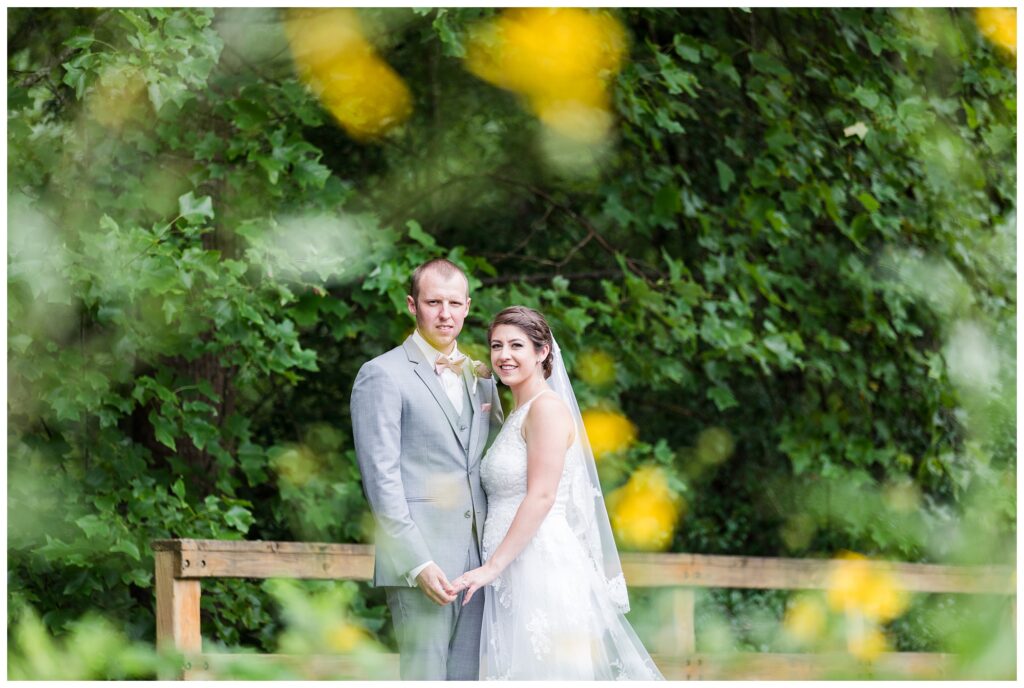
80	40
972	114
666	201
723	397
139	577
726	68
163	430
178	488
195	209
451	41
868	201
874	42
687	48
128	547
999	138
94	526
19	343
866	97
417	234
239	518
769	64
725	175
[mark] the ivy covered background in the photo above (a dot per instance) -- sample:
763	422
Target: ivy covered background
776	246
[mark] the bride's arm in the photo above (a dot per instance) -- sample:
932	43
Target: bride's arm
548	429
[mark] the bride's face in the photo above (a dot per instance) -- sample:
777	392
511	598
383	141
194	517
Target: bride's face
513	356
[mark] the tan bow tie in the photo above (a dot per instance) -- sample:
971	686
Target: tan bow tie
445	362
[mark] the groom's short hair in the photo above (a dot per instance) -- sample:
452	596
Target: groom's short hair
444	266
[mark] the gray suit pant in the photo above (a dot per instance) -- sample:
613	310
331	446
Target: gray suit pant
438	643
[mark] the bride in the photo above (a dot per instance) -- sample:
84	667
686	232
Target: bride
557	598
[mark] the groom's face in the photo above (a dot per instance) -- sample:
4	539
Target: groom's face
440	308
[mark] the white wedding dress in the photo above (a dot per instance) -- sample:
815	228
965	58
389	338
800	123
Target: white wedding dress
551	614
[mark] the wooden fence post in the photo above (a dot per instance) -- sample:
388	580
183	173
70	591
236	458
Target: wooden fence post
677	639
684	637
177	611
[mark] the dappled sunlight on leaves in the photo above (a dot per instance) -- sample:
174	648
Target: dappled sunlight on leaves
36	260
329	248
972	358
334	57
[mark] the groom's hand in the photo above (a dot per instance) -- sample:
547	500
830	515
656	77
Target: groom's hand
435	585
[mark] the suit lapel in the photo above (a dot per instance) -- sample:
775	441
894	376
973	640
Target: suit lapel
426	373
474	404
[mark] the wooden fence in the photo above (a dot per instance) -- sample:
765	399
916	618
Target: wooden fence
181	565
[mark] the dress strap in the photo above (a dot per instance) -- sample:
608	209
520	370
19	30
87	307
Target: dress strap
531	400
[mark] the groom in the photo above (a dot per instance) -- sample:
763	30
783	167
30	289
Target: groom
420	420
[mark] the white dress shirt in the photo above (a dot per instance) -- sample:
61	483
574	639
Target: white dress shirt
451	382
452	385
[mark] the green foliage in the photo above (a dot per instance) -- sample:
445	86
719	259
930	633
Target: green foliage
92	650
803	233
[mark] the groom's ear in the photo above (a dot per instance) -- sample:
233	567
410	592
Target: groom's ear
410	304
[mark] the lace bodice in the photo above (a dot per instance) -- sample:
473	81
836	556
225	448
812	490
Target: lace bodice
503	475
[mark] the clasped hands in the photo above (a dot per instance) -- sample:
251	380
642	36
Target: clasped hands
435	585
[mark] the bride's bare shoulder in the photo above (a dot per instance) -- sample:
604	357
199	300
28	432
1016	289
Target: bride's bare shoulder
549	411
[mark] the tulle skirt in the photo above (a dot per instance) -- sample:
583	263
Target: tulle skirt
548	617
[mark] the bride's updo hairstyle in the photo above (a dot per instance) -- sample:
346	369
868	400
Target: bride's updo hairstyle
533	324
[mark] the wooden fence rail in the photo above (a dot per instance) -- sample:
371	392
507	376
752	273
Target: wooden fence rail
181	565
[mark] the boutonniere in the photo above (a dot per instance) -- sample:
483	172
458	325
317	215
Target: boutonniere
480	370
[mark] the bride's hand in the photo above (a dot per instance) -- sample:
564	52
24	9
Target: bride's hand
471	581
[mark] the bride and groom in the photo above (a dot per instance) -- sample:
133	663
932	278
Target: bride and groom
500	566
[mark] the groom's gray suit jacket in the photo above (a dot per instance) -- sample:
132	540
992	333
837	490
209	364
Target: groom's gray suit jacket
420	461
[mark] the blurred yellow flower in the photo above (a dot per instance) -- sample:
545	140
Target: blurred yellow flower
334	58
596	368
999	25
608	431
294	464
866	644
644	512
560	59
119	95
854	587
805	619
344	637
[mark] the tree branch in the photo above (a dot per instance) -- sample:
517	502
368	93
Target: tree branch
589	275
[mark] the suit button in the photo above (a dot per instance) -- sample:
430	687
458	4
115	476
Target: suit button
466	514
462	428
